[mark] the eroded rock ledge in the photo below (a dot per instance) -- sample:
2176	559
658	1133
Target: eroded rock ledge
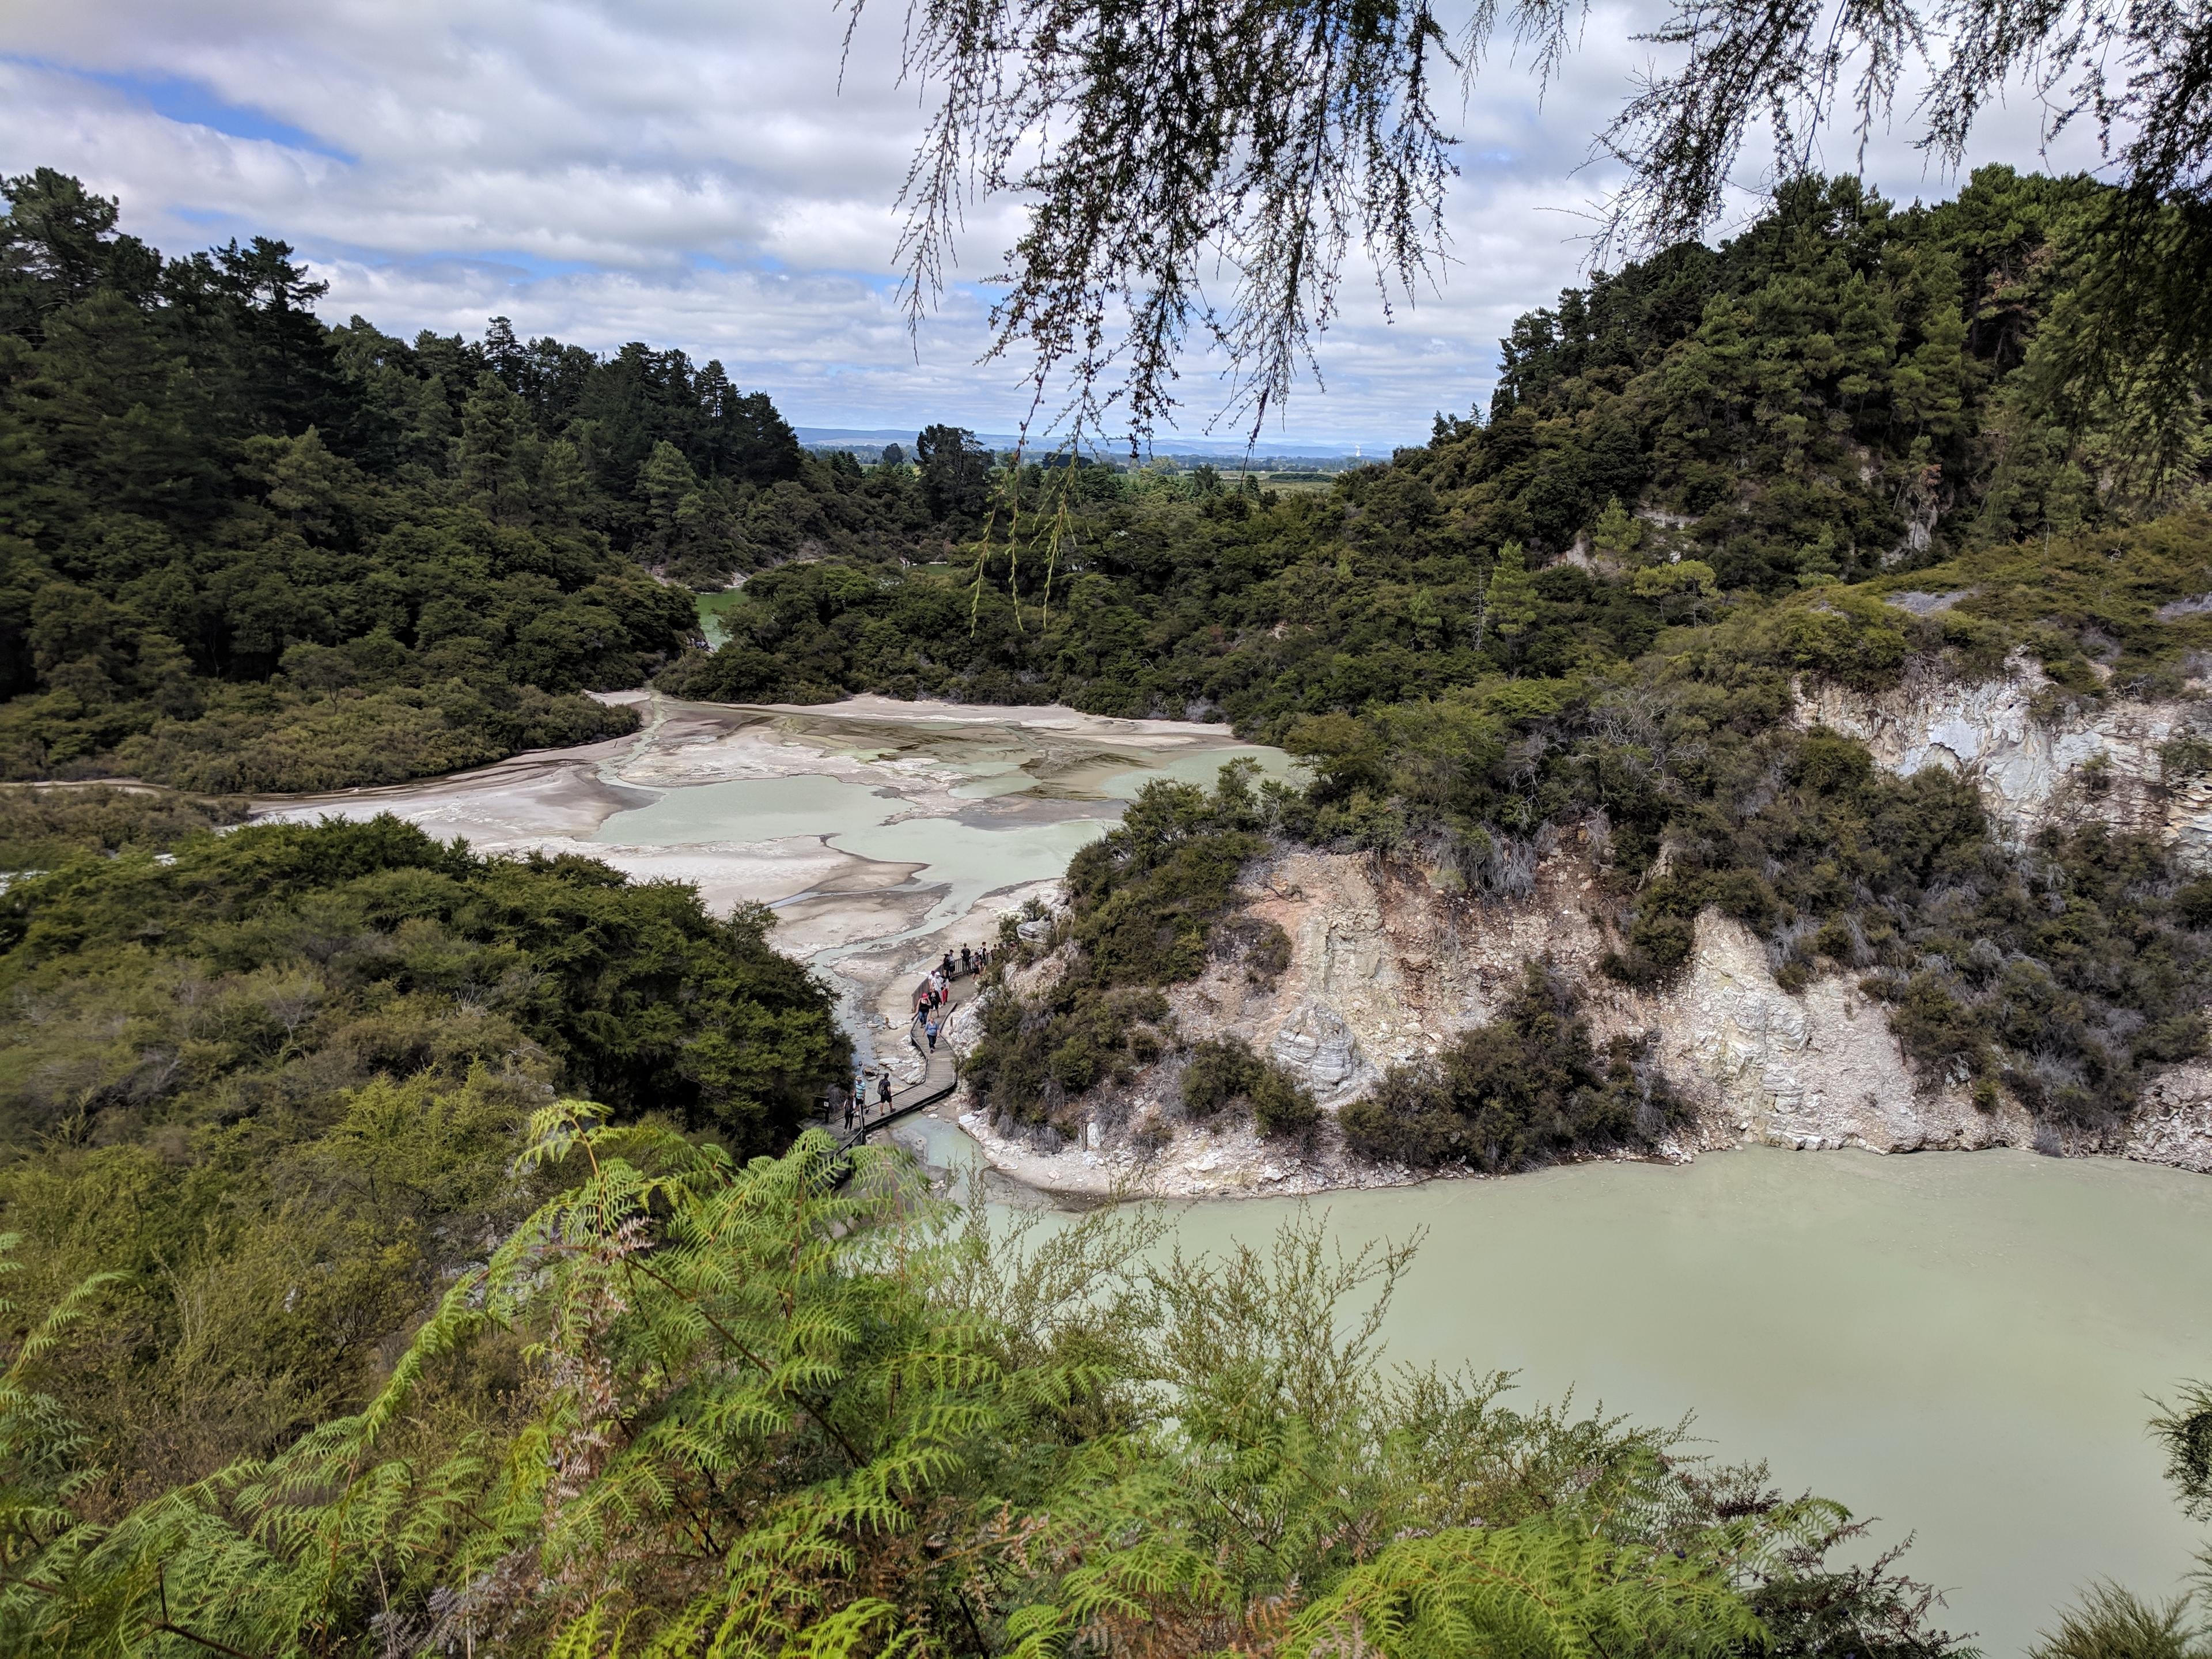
1383	968
2100	765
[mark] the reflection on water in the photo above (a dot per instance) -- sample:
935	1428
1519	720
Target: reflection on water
1959	1343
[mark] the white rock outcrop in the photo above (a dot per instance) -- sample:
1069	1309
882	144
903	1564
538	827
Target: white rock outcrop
2172	1124
1815	1070
2100	765
1385	967
1317	1048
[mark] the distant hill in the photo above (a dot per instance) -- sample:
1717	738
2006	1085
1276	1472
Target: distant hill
1213	449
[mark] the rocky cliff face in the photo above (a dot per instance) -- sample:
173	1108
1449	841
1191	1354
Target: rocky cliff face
1384	968
2102	765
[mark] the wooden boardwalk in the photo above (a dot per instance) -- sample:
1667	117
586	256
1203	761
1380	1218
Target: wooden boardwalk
940	1077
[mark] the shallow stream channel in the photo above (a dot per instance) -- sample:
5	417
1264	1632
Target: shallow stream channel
1963	1345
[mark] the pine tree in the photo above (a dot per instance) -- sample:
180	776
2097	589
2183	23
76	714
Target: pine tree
489	461
1616	533
1509	598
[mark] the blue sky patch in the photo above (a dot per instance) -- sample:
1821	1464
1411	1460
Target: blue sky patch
196	105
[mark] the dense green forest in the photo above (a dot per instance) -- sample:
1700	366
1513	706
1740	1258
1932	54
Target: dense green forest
263	1088
1576	615
242	549
1578	620
267	1084
1846	389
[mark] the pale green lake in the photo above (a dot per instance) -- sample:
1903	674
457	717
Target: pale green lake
713	608
1962	1344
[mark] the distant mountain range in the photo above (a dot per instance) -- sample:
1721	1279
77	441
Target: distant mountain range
1213	449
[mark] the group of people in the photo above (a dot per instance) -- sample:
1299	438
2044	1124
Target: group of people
856	1103
929	1005
936	993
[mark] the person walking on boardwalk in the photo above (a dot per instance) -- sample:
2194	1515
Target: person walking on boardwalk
884	1089
967	960
930	1031
848	1115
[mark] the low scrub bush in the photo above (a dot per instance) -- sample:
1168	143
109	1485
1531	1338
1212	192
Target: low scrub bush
2061	968
275	1081
1223	1073
1147	905
1529	1088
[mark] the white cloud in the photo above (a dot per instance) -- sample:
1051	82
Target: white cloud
690	173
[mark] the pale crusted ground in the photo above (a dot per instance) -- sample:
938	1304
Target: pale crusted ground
873	924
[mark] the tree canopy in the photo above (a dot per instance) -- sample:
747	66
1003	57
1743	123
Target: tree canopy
241	549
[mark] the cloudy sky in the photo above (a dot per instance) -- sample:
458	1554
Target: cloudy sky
690	172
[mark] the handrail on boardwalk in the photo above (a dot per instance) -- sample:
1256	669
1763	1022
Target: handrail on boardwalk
915	1097
899	1109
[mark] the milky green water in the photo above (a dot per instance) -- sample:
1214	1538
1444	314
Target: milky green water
1199	768
1960	1344
974	862
714	609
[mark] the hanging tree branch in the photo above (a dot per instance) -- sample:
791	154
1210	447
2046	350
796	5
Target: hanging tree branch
1196	172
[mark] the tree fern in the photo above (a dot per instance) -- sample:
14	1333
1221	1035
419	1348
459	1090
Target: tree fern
799	1407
